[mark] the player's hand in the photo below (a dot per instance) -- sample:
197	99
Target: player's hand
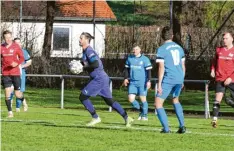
126	82
212	74
227	81
159	89
14	64
148	85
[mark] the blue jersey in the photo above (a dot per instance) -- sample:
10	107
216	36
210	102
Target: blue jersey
138	67
89	56
172	55
26	58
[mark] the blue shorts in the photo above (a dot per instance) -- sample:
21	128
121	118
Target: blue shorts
137	90
168	88
100	85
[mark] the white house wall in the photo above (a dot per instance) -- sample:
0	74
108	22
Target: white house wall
35	33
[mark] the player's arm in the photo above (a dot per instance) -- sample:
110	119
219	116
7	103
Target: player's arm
126	73
160	73
27	58
92	62
183	65
213	65
161	69
27	64
20	56
148	67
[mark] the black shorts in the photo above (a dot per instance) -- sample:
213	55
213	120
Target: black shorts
8	81
221	88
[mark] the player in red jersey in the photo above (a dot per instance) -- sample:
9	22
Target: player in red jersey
11	57
222	70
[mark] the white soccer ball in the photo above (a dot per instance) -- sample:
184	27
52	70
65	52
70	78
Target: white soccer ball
75	66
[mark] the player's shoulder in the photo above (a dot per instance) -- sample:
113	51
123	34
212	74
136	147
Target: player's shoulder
89	49
144	57
218	49
3	45
130	56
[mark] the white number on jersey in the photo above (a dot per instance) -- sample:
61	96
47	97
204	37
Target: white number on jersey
176	57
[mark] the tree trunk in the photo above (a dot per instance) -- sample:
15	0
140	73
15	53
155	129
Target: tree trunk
49	29
176	22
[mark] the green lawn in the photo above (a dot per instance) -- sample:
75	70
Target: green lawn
46	127
191	100
55	129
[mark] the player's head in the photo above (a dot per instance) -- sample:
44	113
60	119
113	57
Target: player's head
85	39
136	50
17	40
227	39
7	36
167	33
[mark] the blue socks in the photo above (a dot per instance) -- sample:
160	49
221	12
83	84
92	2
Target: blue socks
89	106
179	113
162	116
145	108
18	101
136	105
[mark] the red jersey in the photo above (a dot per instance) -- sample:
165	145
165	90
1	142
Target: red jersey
223	64
10	55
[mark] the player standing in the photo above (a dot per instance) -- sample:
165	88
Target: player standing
171	72
137	77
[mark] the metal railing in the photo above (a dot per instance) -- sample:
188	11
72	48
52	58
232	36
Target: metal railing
62	77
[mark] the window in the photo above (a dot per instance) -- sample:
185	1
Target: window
61	41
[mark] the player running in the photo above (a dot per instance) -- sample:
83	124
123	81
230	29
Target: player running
222	70
99	84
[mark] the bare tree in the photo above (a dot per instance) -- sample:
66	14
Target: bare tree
176	21
50	13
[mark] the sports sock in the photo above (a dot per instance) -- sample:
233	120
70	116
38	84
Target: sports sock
162	116
179	113
89	106
119	109
8	104
145	108
136	105
18	102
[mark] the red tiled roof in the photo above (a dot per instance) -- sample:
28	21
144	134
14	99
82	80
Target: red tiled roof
64	9
83	8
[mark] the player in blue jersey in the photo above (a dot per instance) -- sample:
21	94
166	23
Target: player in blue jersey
137	77
99	83
27	62
171	72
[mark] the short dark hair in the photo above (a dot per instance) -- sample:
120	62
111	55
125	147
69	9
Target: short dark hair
228	33
6	32
87	36
167	33
16	39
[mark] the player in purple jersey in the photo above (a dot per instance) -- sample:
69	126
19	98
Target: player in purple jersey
99	83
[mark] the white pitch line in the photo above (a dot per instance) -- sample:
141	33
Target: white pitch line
121	127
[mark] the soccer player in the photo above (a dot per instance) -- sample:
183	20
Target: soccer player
171	72
137	77
27	62
222	70
11	57
99	84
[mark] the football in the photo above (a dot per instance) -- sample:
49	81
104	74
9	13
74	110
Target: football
75	66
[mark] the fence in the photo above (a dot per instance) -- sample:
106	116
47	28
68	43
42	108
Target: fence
62	77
